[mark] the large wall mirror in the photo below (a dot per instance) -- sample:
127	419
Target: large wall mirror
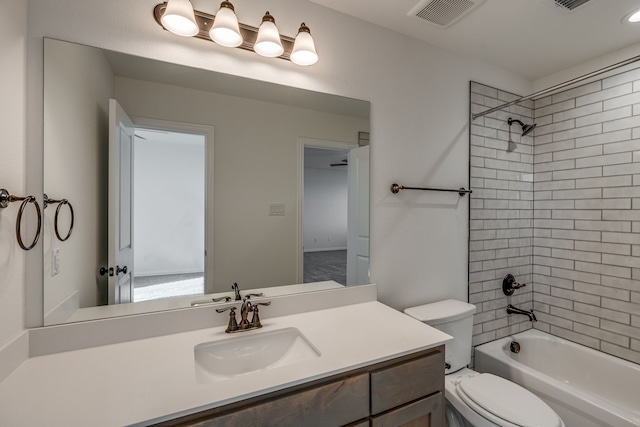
173	183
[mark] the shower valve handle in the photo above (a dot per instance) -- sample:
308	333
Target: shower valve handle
509	284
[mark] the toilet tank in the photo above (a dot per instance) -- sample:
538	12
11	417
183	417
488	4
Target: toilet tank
452	317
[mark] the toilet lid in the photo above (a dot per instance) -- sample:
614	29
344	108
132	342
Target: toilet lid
507	401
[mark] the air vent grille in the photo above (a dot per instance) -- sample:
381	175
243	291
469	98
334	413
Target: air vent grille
443	12
570	4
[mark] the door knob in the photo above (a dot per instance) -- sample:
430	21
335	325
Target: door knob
105	270
121	270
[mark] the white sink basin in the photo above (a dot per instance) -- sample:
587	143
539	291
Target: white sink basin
257	351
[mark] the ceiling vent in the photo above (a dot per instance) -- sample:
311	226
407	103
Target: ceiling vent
443	12
567	5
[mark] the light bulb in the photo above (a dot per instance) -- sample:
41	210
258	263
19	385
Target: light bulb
179	18
304	49
225	30
268	41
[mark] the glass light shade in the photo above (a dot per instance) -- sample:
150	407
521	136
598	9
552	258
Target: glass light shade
268	41
635	17
225	30
179	18
304	49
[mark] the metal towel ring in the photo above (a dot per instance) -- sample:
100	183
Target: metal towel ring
48	201
5	199
55	220
25	200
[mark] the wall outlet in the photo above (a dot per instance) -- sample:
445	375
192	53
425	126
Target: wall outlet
55	262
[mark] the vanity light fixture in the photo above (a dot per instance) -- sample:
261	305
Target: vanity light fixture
179	17
304	49
632	17
268	42
226	30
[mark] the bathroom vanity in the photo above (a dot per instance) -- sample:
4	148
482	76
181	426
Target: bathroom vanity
361	364
403	391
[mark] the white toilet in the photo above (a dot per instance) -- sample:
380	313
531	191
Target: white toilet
474	399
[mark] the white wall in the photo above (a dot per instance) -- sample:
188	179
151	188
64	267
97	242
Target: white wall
169	205
76	131
13	22
419	115
325	209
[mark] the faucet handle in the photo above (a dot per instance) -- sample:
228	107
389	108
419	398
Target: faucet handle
255	320
248	296
233	323
261	303
509	285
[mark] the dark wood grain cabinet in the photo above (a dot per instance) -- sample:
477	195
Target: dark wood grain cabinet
402	392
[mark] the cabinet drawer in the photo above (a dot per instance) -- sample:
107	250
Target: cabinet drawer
425	412
407	381
334	404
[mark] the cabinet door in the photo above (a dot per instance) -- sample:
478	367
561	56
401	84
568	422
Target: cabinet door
425	412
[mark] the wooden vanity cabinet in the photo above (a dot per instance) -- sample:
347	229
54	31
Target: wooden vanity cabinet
402	392
409	393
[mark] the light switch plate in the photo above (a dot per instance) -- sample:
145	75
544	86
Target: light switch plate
276	209
55	262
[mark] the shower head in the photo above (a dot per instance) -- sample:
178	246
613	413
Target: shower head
526	129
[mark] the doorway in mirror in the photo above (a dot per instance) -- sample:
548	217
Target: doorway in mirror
169	213
335	211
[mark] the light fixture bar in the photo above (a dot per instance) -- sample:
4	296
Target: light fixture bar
249	33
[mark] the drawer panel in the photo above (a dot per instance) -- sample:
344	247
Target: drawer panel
406	382
427	412
334	404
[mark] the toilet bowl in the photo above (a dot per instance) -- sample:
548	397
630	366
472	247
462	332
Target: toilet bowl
475	399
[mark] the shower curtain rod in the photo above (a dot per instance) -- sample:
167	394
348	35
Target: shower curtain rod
558	86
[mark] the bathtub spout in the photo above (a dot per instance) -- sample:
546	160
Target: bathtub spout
515	310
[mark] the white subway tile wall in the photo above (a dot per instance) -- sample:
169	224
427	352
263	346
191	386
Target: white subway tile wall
586	289
501	214
584	259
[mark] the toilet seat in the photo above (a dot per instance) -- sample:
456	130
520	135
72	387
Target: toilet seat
505	403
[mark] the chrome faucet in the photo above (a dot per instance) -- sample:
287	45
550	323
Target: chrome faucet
515	310
246	308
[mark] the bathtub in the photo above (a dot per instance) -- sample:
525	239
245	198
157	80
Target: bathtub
585	387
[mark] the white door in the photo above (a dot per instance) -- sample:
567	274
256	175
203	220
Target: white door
358	217
121	134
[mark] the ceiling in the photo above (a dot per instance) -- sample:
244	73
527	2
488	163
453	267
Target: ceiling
533	38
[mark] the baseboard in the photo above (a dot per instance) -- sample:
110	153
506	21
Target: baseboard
13	354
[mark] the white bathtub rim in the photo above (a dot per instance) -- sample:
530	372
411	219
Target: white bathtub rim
591	405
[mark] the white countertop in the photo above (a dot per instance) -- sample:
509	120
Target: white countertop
138	382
